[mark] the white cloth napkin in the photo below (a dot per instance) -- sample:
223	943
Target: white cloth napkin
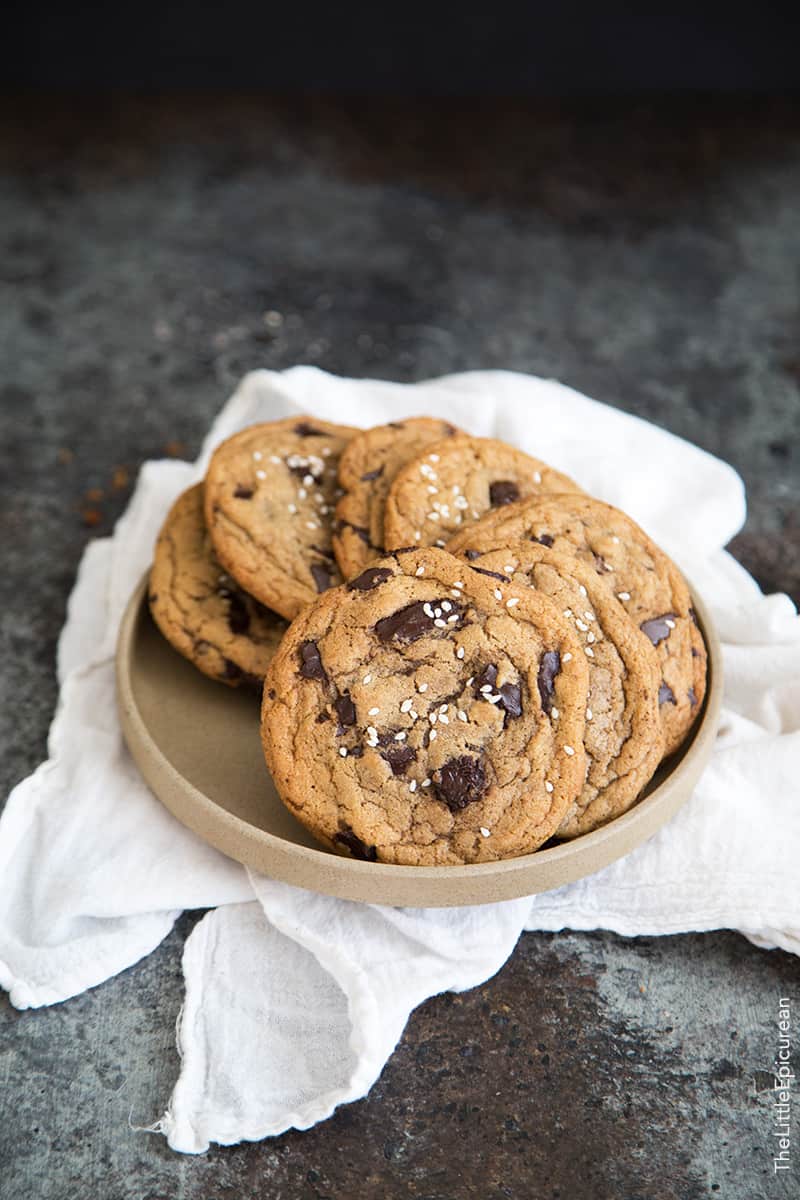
294	1001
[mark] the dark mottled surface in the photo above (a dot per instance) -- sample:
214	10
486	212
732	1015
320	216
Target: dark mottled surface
149	255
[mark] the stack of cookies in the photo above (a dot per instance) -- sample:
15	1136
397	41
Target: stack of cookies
481	656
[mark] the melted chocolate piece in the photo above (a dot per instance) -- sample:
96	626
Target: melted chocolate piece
407	624
305	430
321	576
692	697
492	574
461	781
399	757
243	493
321	718
511	699
503	491
601	566
272	693
657	628
238	616
472	554
369	475
311	664
321	550
369	579
548	669
488	676
345	710
358	849
231	670
666	694
544	539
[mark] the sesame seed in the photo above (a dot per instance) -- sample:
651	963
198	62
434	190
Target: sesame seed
471	680
433	457
433	717
273	458
443	708
452	619
569	751
582	590
301	493
257	455
567	612
498	595
487	687
308	480
623	595
323	509
458	584
440	624
401	736
567	657
462	716
589	651
494	699
484	831
615	540
669	624
422	687
446	606
537	477
555	713
432	736
456	489
508	568
412	787
590	637
444	719
433	516
420	571
588	616
406	706
312	525
461	502
417	535
588	714
581	625
514	600
455	592
261	474
432	491
292	508
412	712
437	612
367	679
372	731
343	751
373	712
439	543
460	652
425	783
426	608
548	787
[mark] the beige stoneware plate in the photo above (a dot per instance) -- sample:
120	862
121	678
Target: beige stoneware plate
197	745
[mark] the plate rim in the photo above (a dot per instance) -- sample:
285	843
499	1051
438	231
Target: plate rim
322	870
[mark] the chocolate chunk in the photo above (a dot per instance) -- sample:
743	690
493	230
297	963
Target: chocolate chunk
461	781
666	694
369	579
321	576
368	475
238	616
305	430
243	493
345	710
321	718
692	697
358	849
311	664
231	670
544	539
355	752
321	550
601	566
503	491
472	554
272	693
511	700
399	757
548	669
657	628
492	574
487	677
407	624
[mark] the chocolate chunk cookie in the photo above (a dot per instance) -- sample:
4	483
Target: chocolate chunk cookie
624	740
270	495
457	481
200	609
649	586
407	716
366	472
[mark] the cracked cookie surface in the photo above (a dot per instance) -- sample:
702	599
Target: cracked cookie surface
456	482
405	716
647	583
269	500
200	610
367	469
623	739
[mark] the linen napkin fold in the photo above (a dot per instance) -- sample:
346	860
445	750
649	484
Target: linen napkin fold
295	1001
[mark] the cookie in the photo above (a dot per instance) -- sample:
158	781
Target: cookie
366	471
640	575
456	482
270	495
405	715
199	608
623	739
